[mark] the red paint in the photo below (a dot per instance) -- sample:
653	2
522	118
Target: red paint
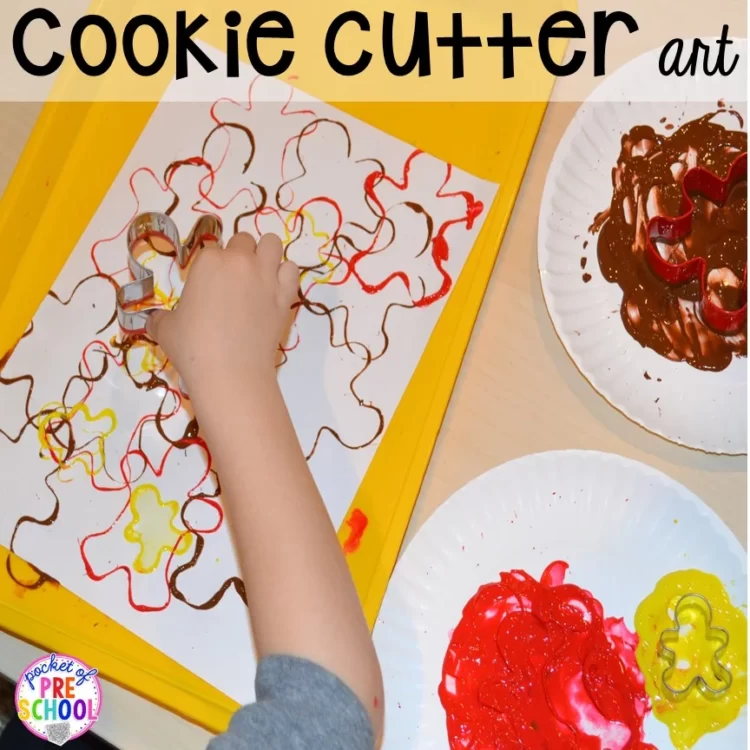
535	665
440	247
357	524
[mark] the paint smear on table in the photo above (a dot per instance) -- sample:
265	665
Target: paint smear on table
357	524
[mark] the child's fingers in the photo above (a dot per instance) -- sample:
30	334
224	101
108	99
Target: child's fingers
270	251
155	325
242	241
289	282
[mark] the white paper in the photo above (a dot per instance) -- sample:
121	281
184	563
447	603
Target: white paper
84	437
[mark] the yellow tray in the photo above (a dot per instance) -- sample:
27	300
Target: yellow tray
73	155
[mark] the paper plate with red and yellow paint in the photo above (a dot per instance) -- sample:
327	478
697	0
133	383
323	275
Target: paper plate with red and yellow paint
620	527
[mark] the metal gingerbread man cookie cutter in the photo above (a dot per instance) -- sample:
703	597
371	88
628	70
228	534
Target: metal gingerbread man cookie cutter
722	674
208	228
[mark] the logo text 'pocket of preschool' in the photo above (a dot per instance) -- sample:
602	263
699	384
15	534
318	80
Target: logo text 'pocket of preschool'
58	694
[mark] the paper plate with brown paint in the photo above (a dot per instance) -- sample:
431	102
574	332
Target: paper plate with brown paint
641	343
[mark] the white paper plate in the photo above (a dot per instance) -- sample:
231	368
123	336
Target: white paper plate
619	524
700	409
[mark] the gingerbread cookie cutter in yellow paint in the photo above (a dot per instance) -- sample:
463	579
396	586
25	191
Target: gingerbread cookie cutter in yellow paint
722	674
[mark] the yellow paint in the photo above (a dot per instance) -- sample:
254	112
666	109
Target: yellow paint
92	456
324	258
153	529
697	713
160	297
153	359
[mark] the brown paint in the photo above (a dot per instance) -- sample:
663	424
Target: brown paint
647	179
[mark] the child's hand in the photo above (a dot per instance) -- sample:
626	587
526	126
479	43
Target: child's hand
232	313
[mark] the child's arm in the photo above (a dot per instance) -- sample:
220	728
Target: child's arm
223	339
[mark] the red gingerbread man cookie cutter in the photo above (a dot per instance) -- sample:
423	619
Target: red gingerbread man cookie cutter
673	229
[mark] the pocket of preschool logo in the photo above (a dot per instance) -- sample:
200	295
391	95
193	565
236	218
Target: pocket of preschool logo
58	698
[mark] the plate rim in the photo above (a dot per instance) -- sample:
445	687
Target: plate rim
600	456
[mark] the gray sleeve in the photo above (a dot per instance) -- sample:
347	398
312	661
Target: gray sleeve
300	706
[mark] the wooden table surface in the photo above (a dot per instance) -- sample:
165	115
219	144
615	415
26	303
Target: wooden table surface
518	393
